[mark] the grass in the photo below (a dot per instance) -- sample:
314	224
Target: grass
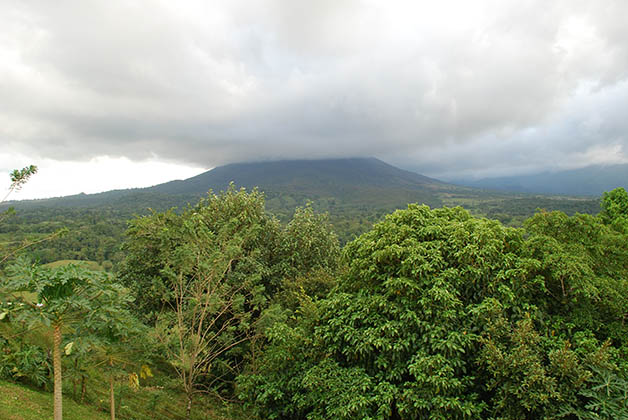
18	402
158	397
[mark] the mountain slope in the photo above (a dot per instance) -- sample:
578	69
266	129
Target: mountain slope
301	175
359	181
591	181
349	187
331	184
355	193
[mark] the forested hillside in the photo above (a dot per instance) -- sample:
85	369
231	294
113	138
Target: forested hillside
354	192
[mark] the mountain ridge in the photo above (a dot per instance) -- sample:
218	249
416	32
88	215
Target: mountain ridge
591	180
349	179
354	193
362	188
286	172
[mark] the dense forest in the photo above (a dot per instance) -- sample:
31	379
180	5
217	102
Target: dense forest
224	310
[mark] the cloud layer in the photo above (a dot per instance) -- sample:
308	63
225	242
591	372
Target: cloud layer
462	88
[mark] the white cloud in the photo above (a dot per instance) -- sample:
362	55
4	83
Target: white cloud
58	178
453	87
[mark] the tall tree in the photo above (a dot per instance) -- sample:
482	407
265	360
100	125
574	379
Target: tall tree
210	274
59	299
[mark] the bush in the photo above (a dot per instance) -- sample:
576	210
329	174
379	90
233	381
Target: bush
25	363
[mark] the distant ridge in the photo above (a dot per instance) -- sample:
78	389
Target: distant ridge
354	192
353	182
301	175
588	181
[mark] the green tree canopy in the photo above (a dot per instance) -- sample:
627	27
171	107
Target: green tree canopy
208	276
445	316
615	208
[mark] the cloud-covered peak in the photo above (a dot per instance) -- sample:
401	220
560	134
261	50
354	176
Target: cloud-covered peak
455	87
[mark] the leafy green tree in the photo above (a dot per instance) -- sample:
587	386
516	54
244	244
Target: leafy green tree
309	243
615	208
209	276
583	266
209	273
310	258
395	331
443	315
154	243
210	316
60	299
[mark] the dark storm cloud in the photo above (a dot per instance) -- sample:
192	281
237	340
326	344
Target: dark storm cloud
452	89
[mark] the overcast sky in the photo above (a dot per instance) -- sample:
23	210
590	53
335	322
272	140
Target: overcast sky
114	94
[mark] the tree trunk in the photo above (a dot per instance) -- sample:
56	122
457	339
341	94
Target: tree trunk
112	398
56	363
75	380
83	388
188	411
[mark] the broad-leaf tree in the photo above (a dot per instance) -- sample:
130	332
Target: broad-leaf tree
208	278
208	274
60	299
441	315
615	208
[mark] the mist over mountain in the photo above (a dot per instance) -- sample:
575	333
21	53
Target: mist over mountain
306	176
588	181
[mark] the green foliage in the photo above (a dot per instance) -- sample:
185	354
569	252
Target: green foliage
66	292
583	265
207	278
234	226
441	315
607	396
355	193
62	297
309	243
94	235
19	177
432	314
615	209
26	363
162	246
